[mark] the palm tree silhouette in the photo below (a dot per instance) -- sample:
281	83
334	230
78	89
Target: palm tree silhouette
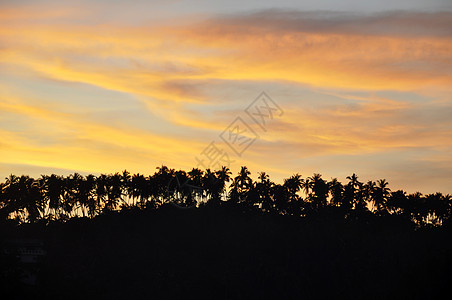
126	180
336	191
280	195
53	191
56	197
33	199
180	191
319	192
352	192
90	201
101	190
139	189
360	199
223	176
380	195
208	183
396	203
3	203
437	208
159	184
368	192
263	189
70	196
353	181
10	195
23	198
196	186
114	191
240	186
293	185
307	187
348	197
87	200
415	207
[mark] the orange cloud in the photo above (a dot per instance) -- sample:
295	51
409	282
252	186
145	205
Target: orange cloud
144	60
173	69
79	143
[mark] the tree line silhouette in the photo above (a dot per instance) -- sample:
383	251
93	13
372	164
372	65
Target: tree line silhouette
25	199
218	235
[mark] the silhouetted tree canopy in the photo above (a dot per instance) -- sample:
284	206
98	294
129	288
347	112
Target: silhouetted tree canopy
25	199
210	233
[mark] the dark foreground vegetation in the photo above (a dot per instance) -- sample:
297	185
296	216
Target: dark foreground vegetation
176	234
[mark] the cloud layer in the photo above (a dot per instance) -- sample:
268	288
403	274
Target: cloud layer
365	93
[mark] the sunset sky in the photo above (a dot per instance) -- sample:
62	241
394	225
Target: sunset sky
103	86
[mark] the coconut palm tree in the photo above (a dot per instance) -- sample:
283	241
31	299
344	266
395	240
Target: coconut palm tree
360	198
368	191
397	202
336	191
223	176
180	190
11	197
32	198
126	179
195	187
293	185
29	200
354	193
319	191
279	194
348	197
139	189
307	187
263	188
240	186
416	208
159	185
3	203
24	198
86	195
101	190
208	182
53	192
114	191
437	207
448	203
353	181
380	195
70	196
90	191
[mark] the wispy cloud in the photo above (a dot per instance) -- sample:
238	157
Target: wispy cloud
328	70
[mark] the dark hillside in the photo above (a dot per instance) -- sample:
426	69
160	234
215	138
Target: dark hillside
227	253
